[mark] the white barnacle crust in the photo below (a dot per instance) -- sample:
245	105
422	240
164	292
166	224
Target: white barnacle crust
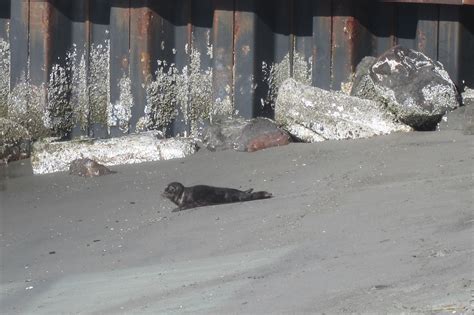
275	74
120	112
4	76
188	90
51	156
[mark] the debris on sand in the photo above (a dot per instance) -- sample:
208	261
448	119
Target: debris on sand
88	168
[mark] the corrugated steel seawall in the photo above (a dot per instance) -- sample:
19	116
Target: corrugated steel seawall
108	67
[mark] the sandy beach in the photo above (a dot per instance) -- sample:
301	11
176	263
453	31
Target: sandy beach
374	225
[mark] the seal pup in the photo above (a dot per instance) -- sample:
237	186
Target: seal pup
202	195
88	168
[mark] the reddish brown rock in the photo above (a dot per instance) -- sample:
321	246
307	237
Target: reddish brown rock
246	135
263	141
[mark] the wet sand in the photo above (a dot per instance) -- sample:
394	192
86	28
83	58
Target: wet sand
374	225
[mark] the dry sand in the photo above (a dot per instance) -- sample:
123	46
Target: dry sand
375	225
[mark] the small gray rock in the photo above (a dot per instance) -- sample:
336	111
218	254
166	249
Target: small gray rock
88	168
414	87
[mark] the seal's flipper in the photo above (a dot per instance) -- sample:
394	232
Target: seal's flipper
261	195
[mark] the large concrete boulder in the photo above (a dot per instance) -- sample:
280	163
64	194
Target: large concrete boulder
14	141
313	114
56	156
415	88
240	134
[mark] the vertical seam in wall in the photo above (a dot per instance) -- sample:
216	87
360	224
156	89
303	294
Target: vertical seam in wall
234	11
27	74
395	24
129	74
48	58
393	41
437	30
87	50
331	45
292	38
129	33
189	42
191	27
458	42
28	62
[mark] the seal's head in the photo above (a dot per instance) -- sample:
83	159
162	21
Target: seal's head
173	191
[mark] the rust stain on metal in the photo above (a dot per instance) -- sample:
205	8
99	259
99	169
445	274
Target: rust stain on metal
48	30
145	64
123	18
25	13
344	26
237	25
45	19
144	26
351	27
35	16
242	24
190	34
87	28
40	14
41	18
216	21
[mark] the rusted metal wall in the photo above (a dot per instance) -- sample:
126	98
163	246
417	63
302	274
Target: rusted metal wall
110	67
